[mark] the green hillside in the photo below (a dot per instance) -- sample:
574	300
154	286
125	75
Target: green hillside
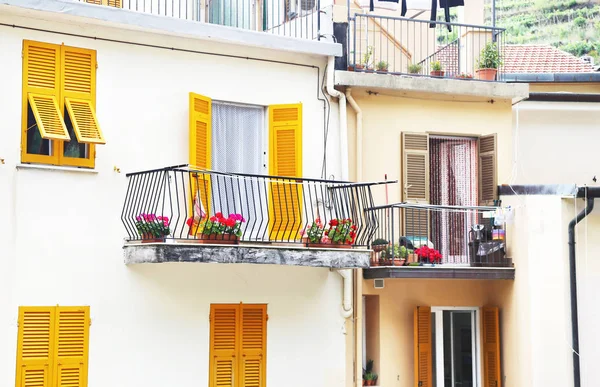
571	25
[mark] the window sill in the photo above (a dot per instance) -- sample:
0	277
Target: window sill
56	168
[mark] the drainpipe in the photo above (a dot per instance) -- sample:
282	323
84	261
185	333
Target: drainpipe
347	308
343	125
591	193
359	131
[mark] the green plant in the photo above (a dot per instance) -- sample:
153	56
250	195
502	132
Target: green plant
391	252
340	231
580	22
314	232
379	242
369	369
414	68
152	225
436	66
382	66
489	58
367	56
404	252
369	376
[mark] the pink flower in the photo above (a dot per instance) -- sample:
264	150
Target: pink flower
302	232
325	239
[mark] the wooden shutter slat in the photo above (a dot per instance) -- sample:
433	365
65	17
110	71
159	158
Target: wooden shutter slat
491	347
200	108
41	67
253	345
48	117
488	186
85	122
422	343
224	344
415	183
285	154
71	349
35	346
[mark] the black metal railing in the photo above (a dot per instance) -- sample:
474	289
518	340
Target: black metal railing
399	45
185	204
293	18
417	234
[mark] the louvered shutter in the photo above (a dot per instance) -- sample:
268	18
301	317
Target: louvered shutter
79	90
71	349
491	347
200	147
285	154
224	345
110	3
488	186
35	346
415	184
253	345
41	89
422	342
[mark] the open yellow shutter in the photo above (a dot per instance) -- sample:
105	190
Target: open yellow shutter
491	347
488	185
224	336
35	347
415	183
253	346
41	89
285	154
71	349
423	358
79	91
200	147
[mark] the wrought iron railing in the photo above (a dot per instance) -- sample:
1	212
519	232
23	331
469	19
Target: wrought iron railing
180	203
293	18
418	234
400	45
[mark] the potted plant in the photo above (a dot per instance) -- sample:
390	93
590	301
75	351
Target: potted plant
152	228
366	59
313	233
379	244
339	234
405	253
436	69
464	76
217	228
391	256
369	377
428	255
351	61
382	66
488	62
414	68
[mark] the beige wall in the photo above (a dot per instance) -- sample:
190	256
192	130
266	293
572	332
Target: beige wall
564	87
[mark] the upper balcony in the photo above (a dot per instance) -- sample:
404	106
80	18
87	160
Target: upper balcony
179	214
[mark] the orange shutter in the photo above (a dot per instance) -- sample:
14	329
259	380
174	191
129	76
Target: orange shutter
35	347
422	342
488	181
253	346
71	349
491	347
285	154
200	147
223	345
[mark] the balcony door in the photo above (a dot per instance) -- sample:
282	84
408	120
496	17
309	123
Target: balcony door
232	13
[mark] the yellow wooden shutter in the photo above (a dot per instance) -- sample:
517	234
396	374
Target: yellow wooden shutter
491	347
488	186
285	154
41	89
78	82
71	349
415	182
224	345
253	346
422	342
35	347
201	147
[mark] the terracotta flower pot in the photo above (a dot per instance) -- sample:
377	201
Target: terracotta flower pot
399	261
350	68
378	248
330	245
487	74
439	73
218	239
150	238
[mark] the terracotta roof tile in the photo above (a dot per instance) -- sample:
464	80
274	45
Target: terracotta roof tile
532	58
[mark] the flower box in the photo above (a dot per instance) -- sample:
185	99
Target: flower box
217	239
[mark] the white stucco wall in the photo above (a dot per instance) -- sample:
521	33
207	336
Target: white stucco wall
61	237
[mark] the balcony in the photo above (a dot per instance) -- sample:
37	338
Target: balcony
421	48
297	18
435	241
178	214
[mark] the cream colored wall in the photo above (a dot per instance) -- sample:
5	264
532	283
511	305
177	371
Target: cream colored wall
564	87
385	118
397	301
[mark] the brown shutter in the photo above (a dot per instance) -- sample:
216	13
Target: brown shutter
491	347
423	358
415	182
488	181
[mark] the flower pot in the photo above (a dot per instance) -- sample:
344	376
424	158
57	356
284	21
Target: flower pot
412	258
329	245
374	259
378	248
350	68
217	239
385	262
382	71
439	73
359	67
399	261
150	238
370	383
487	74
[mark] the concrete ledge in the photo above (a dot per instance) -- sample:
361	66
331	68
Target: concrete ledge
441	272
405	86
140	21
192	252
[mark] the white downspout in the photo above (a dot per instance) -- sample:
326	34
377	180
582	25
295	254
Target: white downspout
359	133
347	308
343	124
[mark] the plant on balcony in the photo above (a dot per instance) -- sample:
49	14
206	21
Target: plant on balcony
382	66
437	70
369	377
428	255
488	62
379	244
217	227
152	228
414	68
366	59
464	76
313	233
341	231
